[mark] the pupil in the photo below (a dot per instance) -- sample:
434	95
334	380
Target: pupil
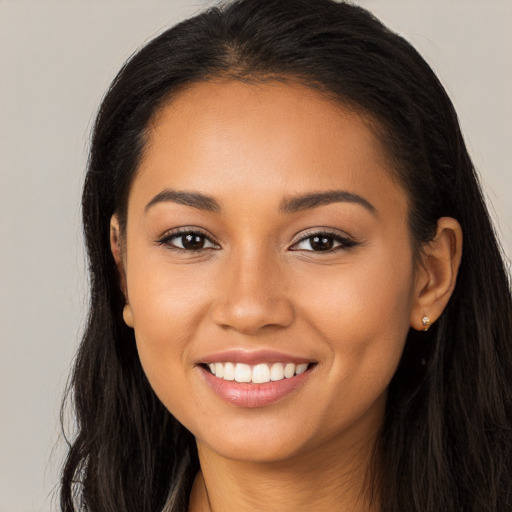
193	241
321	243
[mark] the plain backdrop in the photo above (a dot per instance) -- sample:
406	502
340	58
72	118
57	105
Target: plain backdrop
56	61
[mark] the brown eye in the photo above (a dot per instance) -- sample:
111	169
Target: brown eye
323	242
192	241
188	241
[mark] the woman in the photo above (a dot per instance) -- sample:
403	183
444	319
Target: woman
298	301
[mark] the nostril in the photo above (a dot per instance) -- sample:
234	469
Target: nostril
251	316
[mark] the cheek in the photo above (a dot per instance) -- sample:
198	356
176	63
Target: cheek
165	300
167	306
374	294
363	316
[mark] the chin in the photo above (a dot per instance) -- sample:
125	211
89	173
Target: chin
266	442
254	451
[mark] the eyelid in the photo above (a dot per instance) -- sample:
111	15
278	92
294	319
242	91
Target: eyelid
344	239
176	232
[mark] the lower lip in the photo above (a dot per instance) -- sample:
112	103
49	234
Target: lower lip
250	395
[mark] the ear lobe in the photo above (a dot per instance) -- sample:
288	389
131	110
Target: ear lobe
117	252
128	315
437	274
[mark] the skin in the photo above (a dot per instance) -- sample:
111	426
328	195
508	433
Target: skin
257	284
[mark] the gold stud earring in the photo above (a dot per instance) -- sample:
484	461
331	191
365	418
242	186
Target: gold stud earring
425	321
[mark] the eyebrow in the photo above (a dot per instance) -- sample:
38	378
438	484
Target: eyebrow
289	205
193	199
313	200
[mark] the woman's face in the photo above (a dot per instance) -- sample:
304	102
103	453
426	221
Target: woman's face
265	233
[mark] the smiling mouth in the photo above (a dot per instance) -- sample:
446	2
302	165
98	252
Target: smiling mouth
256	374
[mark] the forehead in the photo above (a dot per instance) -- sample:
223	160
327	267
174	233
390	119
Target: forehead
229	137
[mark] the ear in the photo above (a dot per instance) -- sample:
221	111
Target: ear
436	274
118	254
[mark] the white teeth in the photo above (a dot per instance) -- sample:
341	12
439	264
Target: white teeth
243	372
257	374
277	371
229	371
261	374
301	368
289	370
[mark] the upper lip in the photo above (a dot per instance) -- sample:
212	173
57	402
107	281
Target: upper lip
253	357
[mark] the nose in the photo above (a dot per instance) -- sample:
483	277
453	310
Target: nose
252	296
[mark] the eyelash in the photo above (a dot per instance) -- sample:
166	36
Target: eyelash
182	232
344	242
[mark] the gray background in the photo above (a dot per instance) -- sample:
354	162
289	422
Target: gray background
56	61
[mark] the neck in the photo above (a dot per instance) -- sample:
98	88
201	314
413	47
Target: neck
335	477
